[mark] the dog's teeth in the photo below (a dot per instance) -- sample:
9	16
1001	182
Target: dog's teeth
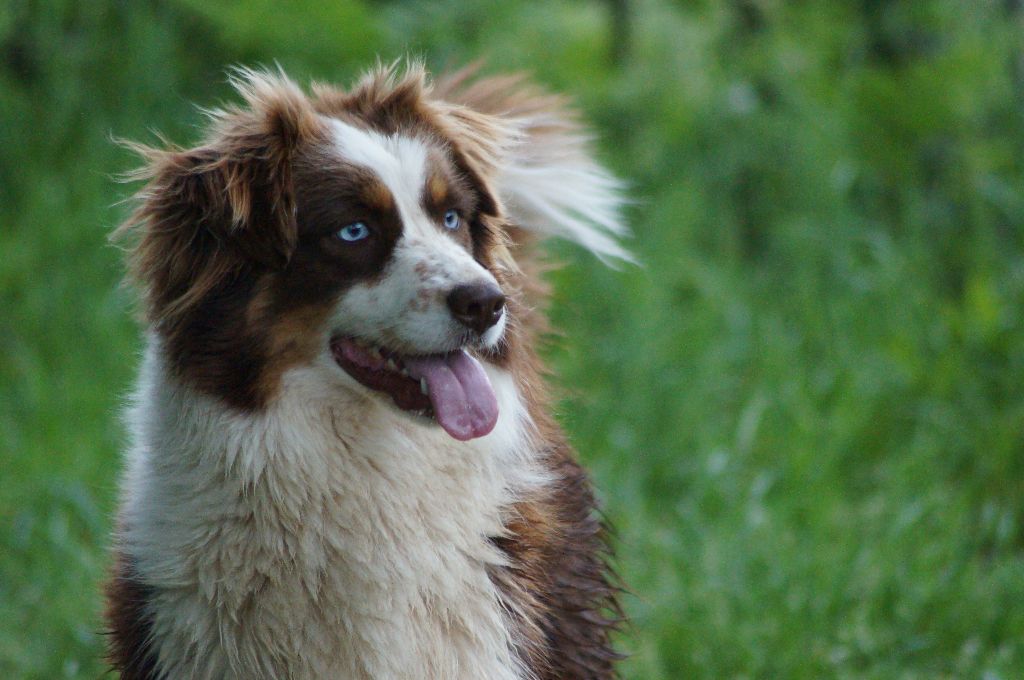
423	386
392	365
375	352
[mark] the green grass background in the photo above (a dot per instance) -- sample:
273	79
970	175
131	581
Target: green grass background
804	411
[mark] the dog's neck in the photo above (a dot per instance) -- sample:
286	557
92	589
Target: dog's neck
328	527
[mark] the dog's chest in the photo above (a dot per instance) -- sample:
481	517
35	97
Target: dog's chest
342	549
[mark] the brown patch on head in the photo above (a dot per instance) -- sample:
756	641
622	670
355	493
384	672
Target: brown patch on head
378	197
208	212
437	189
237	282
446	189
383	99
331	194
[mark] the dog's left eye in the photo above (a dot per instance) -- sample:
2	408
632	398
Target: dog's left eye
356	231
451	220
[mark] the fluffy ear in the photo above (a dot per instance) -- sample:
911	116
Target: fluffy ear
243	172
226	204
538	159
481	143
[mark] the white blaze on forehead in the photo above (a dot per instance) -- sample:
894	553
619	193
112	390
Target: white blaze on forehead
399	161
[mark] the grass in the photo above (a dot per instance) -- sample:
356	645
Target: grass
804	411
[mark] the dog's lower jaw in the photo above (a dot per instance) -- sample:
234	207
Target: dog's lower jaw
327	536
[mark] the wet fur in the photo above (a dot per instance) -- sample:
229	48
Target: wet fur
277	522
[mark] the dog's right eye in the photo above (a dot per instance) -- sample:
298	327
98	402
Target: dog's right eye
356	231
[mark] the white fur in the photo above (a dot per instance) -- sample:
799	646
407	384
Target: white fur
550	184
400	161
329	537
405	309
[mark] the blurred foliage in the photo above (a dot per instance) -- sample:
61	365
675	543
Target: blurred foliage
805	411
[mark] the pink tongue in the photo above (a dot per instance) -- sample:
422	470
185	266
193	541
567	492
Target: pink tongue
463	400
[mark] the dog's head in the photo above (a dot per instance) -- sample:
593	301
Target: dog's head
362	226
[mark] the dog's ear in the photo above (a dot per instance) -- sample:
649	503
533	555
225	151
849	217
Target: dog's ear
534	154
241	180
226	204
480	144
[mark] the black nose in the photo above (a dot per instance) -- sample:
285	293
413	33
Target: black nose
477	305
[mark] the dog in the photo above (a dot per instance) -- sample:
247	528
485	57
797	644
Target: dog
343	459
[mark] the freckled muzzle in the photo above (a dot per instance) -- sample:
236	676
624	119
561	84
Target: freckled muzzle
452	388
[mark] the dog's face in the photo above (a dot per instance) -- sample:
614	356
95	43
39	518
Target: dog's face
388	225
408	225
357	229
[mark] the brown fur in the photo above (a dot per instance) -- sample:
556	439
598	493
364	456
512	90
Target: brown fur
231	249
127	598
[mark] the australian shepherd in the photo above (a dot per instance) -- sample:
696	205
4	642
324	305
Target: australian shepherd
343	459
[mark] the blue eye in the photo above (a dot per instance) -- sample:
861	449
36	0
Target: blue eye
356	231
451	220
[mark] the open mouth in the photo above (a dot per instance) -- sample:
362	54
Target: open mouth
451	388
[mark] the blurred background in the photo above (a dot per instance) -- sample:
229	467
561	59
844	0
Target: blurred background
804	412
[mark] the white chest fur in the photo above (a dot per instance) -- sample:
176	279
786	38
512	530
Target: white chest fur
329	537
